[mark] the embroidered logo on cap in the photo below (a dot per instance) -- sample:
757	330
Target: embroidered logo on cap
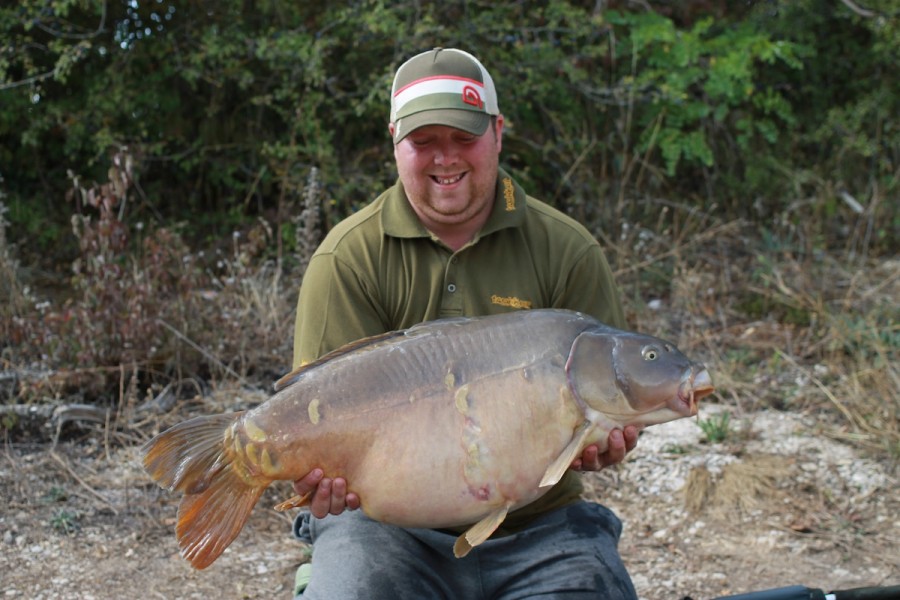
471	96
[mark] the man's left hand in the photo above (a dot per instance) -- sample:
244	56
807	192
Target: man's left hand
619	444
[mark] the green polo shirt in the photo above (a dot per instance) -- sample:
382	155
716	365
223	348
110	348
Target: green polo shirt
380	270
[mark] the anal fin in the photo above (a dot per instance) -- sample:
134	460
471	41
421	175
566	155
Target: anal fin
294	502
480	531
559	466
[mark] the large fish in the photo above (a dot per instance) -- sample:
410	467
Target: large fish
442	410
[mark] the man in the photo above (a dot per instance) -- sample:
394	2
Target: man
456	236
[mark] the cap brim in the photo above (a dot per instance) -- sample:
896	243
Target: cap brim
469	121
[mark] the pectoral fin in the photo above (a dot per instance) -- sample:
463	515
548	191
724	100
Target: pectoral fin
558	467
479	532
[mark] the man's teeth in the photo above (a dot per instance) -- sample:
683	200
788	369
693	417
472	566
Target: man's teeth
448	180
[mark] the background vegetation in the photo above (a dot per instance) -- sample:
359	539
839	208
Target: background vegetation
167	166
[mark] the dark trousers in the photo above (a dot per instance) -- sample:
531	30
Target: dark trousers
569	553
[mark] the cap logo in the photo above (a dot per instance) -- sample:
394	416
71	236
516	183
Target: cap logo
471	96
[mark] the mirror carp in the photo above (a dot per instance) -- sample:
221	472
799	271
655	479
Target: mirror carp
442	411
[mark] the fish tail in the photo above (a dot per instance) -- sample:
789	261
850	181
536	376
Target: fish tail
194	458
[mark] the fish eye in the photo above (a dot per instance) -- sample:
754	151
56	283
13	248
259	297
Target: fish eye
650	352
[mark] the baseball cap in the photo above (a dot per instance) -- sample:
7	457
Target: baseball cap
443	86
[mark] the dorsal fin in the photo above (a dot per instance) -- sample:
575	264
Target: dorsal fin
373	340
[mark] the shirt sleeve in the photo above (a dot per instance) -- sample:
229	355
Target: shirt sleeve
336	306
589	287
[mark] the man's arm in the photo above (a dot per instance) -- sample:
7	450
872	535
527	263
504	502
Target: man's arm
335	307
589	288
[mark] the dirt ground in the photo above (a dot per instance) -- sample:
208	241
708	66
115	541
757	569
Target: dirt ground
777	503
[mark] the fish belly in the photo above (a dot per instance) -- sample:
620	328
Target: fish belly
453	458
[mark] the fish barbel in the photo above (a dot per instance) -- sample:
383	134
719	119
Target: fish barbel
441	410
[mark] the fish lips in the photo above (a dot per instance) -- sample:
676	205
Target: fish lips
695	384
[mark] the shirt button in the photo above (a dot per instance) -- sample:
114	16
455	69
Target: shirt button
451	288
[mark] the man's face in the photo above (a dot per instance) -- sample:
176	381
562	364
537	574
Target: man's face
449	175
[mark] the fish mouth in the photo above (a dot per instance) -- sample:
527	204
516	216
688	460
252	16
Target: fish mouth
696	384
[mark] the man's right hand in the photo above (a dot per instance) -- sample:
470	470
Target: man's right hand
329	496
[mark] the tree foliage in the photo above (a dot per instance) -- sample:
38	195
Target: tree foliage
747	109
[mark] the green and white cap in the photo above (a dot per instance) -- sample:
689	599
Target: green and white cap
443	86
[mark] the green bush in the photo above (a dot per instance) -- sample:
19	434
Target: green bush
227	106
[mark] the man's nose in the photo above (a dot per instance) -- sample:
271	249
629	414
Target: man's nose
446	154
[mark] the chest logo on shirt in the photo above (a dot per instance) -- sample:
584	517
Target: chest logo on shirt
510	301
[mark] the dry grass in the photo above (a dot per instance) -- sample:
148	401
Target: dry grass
739	489
777	328
15	298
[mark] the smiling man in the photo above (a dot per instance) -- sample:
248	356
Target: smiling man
455	236
441	106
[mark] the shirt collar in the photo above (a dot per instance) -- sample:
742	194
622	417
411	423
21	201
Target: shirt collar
399	220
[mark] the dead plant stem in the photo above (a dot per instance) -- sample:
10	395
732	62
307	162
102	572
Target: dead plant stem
581	157
701	237
82	482
837	403
202	351
650	146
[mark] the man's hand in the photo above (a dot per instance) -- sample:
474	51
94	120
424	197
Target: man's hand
619	443
329	496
